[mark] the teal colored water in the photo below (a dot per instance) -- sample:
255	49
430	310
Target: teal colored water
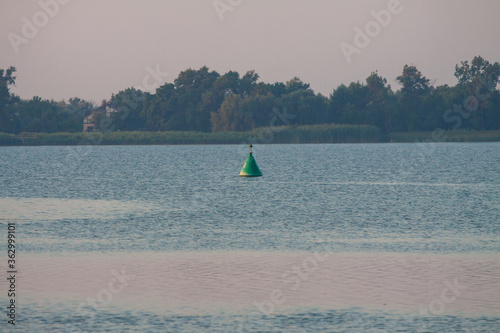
333	238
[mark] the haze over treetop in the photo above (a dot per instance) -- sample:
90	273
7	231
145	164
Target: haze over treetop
92	49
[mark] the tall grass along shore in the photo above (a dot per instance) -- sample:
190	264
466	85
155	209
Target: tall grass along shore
283	134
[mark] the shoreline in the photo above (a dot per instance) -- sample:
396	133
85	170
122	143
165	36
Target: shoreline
310	134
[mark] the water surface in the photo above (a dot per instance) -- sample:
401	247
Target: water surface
332	238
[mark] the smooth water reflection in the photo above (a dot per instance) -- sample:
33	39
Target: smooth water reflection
223	291
191	283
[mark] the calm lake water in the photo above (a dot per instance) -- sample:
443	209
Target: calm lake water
333	238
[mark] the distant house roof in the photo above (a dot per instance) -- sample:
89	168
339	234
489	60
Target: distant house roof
105	109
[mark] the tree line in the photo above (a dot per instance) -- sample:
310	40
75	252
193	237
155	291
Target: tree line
203	100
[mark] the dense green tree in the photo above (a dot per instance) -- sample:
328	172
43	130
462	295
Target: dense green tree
381	103
37	115
190	86
232	115
79	108
415	89
7	79
261	109
477	84
248	83
225	85
278	89
160	109
204	100
480	76
494	124
338	100
305	107
296	84
128	104
413	82
351	114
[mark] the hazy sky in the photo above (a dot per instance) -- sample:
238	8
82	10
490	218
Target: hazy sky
93	48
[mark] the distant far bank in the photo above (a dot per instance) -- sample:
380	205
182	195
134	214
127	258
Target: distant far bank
265	135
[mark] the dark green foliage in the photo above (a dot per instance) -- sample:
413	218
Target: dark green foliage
37	115
129	105
6	99
43	116
200	100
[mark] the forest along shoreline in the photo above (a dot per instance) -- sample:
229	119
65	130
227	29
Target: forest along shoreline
207	107
204	107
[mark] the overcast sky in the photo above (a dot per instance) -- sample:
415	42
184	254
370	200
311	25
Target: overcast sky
93	48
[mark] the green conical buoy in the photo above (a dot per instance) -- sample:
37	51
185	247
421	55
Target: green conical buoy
250	169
